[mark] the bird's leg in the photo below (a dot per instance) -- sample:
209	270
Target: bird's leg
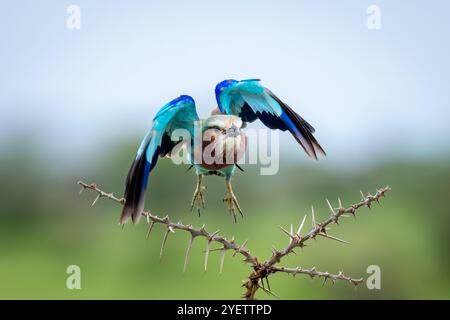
198	198
231	201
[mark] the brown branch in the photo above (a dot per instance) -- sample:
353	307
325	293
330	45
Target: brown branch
171	227
320	229
261	271
314	273
297	240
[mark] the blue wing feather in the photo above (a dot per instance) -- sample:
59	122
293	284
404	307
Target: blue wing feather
178	113
249	100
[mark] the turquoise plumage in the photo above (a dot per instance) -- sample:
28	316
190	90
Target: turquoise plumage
238	102
178	113
249	100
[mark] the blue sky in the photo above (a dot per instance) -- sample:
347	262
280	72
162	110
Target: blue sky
369	93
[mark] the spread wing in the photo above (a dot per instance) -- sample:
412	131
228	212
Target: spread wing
178	113
249	100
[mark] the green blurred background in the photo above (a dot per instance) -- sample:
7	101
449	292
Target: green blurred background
74	104
48	226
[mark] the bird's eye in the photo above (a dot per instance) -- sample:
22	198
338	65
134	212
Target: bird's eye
216	128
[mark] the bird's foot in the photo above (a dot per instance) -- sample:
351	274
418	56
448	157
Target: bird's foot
198	199
233	205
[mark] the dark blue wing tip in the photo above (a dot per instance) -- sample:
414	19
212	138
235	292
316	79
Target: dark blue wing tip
183	98
222	85
229	82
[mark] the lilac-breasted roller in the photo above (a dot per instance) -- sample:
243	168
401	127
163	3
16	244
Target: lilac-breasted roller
239	102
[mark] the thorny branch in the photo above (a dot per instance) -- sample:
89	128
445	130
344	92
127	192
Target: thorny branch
261	270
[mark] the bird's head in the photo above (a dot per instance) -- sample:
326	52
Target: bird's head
222	86
227	125
224	141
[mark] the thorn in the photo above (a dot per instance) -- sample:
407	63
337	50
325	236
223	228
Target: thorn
262	283
240	247
340	203
329	206
265	290
222	258
268	284
212	250
213	235
208	246
95	200
81	190
186	257
150	227
362	194
313	217
274	250
163	243
297	270
333	238
301	225
285	231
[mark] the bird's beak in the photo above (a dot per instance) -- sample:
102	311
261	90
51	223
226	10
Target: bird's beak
233	131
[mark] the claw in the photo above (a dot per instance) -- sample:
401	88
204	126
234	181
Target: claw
232	203
198	199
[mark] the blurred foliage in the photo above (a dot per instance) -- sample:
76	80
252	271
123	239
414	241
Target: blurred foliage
46	226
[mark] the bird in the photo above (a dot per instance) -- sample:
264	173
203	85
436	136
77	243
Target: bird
222	134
